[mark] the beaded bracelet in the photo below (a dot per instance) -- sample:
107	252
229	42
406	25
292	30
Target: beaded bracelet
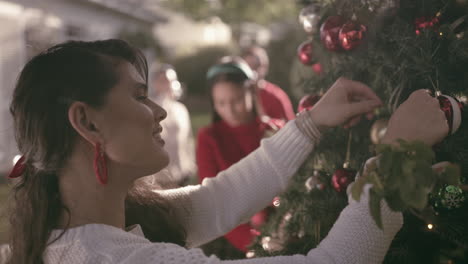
307	126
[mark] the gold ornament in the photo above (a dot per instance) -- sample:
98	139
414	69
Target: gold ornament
378	130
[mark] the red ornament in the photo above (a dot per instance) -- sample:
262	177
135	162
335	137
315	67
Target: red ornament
453	110
307	102
342	178
305	53
317	68
425	22
351	35
276	201
329	32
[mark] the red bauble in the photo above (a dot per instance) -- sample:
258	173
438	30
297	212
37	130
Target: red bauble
453	110
329	32
351	35
305	53
425	22
317	68
342	178
307	102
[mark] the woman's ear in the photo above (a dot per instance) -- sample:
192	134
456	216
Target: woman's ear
80	116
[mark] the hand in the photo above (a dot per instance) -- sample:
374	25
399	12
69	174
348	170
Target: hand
418	118
344	103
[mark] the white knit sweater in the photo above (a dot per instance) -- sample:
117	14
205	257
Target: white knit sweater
219	204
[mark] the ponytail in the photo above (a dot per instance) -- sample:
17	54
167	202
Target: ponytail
34	213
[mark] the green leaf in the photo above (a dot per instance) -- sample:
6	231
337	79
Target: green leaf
357	188
374	179
404	177
374	205
395	202
417	198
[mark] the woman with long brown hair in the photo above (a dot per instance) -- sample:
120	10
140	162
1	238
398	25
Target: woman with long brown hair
87	131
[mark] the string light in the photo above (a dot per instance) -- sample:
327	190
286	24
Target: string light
250	254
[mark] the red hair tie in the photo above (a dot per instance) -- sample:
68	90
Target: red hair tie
18	169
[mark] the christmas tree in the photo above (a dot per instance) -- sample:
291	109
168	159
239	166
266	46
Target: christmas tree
395	47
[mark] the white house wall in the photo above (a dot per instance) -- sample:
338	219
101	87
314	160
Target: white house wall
18	16
12	57
97	22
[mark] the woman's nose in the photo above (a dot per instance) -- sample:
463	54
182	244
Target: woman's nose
159	112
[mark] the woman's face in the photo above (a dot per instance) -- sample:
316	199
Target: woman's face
233	103
130	126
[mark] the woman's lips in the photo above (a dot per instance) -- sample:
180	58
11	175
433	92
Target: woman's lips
157	135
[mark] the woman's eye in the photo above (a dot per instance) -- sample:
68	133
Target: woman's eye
142	97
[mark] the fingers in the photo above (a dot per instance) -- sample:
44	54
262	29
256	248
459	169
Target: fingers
358	89
354	121
370	116
419	118
423	95
362	107
356	110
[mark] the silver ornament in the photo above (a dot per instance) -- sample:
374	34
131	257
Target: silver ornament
309	18
271	244
314	183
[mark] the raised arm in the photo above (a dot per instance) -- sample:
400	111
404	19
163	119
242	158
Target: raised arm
217	205
354	238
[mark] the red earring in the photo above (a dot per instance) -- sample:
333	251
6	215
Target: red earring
18	169
100	166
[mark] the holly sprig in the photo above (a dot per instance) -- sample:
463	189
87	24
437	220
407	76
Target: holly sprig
403	175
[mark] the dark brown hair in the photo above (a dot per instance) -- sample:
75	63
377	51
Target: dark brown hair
47	85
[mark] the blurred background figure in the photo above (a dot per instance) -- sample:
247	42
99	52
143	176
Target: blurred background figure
177	130
236	130
274	102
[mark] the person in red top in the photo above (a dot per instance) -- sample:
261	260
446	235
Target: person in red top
274	102
236	130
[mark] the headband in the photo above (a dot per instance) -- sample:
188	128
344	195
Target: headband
230	67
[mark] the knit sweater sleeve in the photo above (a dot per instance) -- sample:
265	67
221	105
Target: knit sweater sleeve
354	238
219	204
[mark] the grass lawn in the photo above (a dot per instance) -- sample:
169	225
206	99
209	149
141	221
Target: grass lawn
199	120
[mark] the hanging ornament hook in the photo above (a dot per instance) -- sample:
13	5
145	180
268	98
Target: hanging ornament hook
347	162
